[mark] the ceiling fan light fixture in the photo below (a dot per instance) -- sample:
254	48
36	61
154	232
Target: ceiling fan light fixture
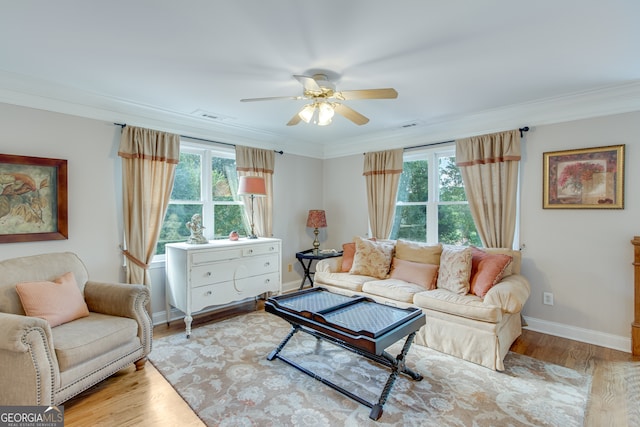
306	113
325	113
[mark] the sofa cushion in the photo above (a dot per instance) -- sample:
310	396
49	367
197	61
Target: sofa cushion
56	302
89	337
469	306
352	282
394	289
455	269
372	258
425	275
418	252
486	270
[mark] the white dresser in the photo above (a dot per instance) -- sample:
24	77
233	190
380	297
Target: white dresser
220	272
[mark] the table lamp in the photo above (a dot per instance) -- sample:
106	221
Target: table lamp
315	220
252	186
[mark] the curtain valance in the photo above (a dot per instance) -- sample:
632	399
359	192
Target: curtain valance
383	162
490	148
147	144
254	160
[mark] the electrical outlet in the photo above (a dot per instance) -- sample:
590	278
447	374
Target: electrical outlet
547	298
290	267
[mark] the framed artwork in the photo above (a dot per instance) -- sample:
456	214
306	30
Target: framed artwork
590	178
33	199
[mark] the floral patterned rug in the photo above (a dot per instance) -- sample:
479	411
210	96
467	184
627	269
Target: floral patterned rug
223	373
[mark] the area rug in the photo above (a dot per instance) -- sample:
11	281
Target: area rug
223	373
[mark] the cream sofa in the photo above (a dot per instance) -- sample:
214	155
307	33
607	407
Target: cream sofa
42	365
479	330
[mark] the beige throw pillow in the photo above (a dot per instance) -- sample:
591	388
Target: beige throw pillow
418	252
372	258
455	269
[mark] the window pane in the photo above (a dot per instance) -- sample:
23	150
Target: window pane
187	181
227	219
410	223
413	182
450	179
223	179
174	227
456	227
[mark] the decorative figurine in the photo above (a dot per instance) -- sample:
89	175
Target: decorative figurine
233	236
195	226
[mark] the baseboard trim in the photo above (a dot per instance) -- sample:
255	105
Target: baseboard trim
589	336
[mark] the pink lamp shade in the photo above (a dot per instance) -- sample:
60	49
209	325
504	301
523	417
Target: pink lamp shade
252	185
316	219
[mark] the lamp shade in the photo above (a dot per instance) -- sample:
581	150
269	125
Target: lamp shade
252	185
316	219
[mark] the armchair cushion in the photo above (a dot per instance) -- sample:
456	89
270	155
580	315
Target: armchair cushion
88	338
56	302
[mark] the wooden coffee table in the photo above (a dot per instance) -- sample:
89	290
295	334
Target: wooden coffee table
358	324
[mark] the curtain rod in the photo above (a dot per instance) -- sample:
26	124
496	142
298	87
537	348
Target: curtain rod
122	125
522	131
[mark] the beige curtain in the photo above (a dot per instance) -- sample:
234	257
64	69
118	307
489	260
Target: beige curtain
382	171
258	162
149	160
489	166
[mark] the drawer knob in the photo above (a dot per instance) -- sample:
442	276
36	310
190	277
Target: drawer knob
267	281
209	274
267	264
209	293
250	251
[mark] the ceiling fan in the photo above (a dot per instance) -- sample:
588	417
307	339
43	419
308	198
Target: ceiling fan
324	101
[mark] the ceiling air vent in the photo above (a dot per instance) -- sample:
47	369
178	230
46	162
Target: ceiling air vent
210	116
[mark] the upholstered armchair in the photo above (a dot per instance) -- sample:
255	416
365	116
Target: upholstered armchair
47	365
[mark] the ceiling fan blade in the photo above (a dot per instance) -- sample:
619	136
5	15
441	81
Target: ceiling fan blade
387	93
271	98
350	114
294	120
309	83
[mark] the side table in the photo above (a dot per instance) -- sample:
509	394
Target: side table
310	256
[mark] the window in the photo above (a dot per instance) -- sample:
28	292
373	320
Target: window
206	183
431	204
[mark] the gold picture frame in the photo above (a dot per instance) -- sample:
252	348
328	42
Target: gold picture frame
588	178
33	199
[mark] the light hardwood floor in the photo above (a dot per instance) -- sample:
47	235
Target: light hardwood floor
145	398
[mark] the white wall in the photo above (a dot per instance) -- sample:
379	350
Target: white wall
94	183
95	194
345	196
582	256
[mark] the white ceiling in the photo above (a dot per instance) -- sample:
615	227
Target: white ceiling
461	67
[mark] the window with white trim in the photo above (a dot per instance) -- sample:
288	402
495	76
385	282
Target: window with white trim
431	204
206	183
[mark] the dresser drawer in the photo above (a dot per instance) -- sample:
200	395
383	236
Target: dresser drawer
203	257
226	292
261	250
217	272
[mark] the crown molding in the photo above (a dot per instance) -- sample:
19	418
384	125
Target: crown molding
603	101
40	94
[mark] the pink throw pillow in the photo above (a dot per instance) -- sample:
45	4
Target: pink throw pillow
56	302
348	252
415	272
486	270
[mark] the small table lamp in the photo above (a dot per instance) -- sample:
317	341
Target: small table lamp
316	219
252	186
